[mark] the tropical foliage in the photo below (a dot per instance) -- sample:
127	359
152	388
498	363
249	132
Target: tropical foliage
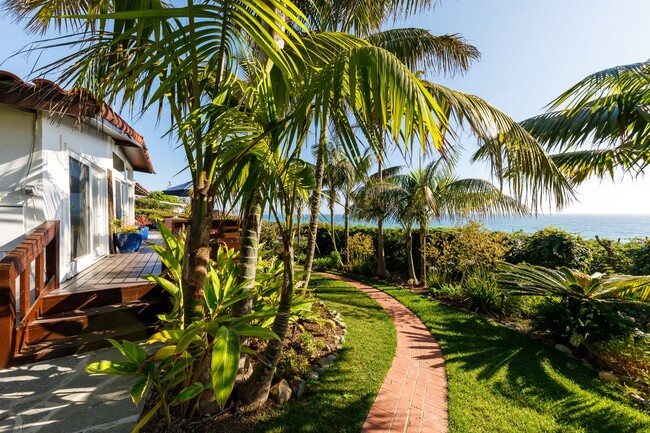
600	124
210	346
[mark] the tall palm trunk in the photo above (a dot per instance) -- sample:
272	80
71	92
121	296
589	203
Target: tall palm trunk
314	204
249	250
299	220
197	254
254	392
423	254
332	225
409	255
346	218
382	272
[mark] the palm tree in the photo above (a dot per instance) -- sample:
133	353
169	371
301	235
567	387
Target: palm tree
607	109
373	203
417	48
434	192
352	174
152	54
524	279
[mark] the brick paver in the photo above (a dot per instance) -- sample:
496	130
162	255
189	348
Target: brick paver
413	397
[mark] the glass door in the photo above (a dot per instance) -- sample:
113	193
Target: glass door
79	215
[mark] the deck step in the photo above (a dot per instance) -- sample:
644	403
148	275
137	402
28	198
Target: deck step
81	343
62	302
79	322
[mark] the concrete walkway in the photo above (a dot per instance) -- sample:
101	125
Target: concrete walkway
58	396
413	397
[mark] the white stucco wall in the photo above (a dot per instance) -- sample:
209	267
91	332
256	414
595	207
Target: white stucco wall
20	161
53	139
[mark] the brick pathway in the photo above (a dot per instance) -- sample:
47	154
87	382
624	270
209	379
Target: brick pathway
413	397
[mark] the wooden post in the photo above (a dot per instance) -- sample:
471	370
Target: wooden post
7	313
39	270
25	292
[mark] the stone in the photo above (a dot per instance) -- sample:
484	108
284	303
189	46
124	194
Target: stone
280	393
320	370
298	386
607	376
325	362
342	340
332	357
562	348
640	400
312	375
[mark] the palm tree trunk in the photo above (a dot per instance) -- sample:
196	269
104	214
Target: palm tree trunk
332	225
197	255
347	230
423	254
249	250
255	391
382	272
299	221
409	255
314	203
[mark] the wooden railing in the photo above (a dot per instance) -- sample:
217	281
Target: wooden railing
40	248
223	232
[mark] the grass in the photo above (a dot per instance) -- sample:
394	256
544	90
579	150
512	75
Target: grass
341	399
502	381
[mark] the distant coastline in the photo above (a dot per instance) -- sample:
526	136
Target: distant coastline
610	226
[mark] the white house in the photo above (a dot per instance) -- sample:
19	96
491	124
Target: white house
66	157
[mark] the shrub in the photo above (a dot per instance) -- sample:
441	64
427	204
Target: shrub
552	248
454	254
153	214
482	293
335	261
321	263
584	321
362	251
270	238
628	357
640	257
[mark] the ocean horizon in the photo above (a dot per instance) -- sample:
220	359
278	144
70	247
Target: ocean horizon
609	226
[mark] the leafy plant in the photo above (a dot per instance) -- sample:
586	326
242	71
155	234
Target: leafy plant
629	357
210	344
142	220
552	248
454	254
119	226
482	293
361	250
579	307
335	260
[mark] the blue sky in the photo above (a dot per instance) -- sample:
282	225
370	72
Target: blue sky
532	50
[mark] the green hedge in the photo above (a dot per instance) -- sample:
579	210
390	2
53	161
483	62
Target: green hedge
549	247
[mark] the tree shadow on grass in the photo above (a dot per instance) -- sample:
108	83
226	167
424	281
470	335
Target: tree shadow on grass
531	374
339	402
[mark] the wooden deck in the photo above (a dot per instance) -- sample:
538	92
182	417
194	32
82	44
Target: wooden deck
117	270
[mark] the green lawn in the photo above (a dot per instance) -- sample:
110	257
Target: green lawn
341	399
503	381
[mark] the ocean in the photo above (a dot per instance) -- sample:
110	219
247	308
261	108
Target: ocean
588	226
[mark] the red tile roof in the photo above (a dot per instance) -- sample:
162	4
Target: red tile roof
46	95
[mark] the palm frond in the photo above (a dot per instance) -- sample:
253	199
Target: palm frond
421	50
